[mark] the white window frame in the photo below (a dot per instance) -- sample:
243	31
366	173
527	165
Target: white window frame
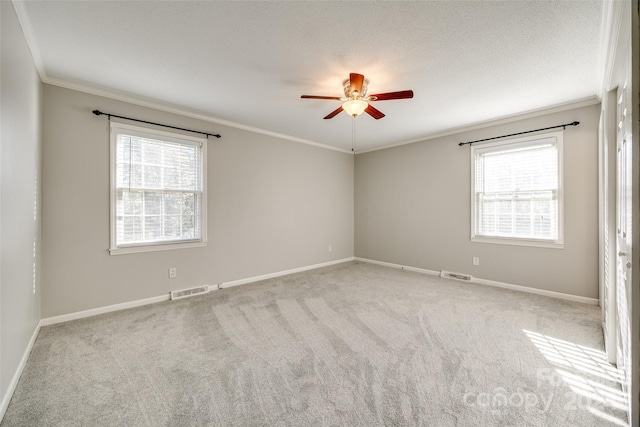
115	249
558	243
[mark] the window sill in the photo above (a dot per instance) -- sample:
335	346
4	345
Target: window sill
518	242
155	247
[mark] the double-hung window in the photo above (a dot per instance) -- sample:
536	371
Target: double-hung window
158	190
517	191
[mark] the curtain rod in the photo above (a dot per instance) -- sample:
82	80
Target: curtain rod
521	133
100	113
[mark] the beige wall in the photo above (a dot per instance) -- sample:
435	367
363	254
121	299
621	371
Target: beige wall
412	207
20	121
273	205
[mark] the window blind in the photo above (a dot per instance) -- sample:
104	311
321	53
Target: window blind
158	185
516	190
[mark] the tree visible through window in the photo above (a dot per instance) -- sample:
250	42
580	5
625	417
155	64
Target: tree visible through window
517	190
158	188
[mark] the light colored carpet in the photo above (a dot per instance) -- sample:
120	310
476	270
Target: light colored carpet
350	345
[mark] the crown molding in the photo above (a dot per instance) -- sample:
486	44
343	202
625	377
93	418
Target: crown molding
572	105
611	29
611	24
30	37
157	105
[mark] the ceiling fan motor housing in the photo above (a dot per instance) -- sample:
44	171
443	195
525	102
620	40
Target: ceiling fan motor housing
355	94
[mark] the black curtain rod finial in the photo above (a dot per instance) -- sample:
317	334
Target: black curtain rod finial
570	124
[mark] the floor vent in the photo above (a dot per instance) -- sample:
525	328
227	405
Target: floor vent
455	276
184	293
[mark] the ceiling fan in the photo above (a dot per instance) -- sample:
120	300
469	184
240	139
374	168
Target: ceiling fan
355	99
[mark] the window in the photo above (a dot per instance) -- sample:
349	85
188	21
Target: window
158	183
517	191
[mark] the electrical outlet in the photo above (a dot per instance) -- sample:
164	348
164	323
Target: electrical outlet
172	273
330	248
476	260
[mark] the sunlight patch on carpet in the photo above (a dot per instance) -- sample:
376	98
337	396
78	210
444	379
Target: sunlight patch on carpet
594	383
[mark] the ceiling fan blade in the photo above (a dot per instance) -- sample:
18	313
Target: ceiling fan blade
355	82
376	114
334	113
403	94
320	97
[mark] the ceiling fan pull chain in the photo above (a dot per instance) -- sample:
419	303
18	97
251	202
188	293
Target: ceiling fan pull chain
353	135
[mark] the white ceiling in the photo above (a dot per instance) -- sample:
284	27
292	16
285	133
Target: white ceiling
249	62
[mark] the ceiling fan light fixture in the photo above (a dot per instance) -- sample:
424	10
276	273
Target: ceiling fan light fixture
356	101
355	107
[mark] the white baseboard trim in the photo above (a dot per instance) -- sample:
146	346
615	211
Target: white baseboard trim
543	292
101	310
281	273
527	289
137	303
16	377
398	266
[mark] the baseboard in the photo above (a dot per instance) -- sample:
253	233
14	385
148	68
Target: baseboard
282	273
101	310
16	377
131	304
527	289
398	266
543	292
137	303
